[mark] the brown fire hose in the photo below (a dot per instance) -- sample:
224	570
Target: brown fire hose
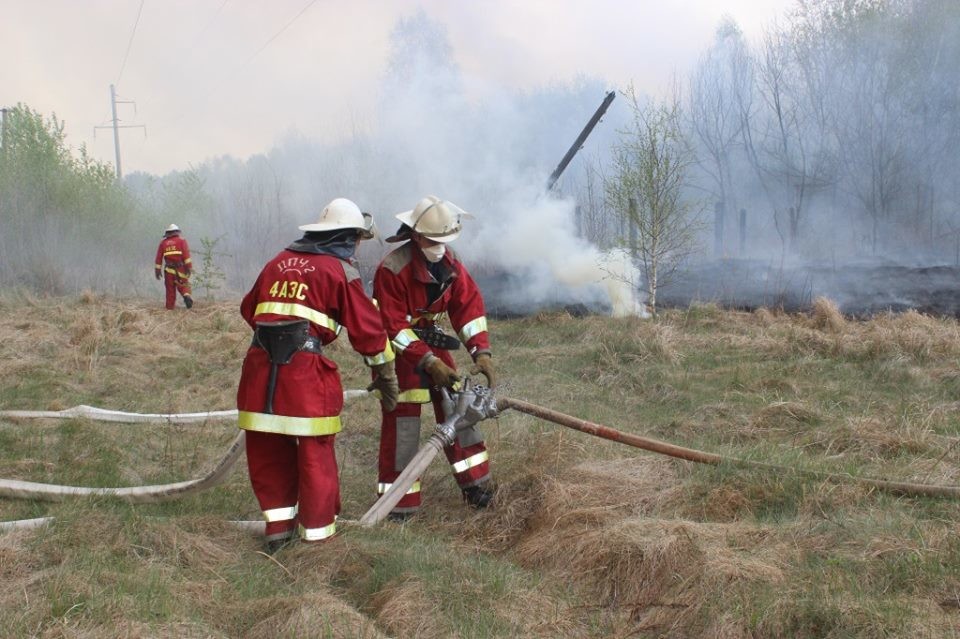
701	457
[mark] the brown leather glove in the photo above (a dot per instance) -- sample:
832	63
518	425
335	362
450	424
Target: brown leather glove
385	381
484	364
442	375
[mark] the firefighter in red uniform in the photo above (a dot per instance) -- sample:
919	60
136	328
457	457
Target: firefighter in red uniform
173	258
290	396
416	286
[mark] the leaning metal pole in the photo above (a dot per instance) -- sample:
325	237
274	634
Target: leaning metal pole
580	140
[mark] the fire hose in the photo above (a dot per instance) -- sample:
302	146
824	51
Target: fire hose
476	403
689	454
464	409
15	489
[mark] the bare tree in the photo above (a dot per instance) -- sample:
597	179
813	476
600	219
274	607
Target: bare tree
786	143
647	185
717	94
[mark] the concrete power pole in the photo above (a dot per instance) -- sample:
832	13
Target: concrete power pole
116	126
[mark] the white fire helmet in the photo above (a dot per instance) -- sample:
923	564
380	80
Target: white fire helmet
341	213
173	228
435	219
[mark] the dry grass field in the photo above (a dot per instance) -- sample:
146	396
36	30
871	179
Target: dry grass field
589	538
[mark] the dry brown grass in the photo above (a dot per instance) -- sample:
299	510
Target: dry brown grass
625	550
764	316
788	416
634	542
826	316
317	615
405	610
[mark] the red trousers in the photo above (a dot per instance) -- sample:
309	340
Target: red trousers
296	482
172	284
399	441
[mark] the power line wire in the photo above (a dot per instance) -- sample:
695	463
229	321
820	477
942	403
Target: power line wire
277	34
182	113
207	26
130	43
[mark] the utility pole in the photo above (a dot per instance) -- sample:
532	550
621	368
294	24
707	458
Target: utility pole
580	139
116	126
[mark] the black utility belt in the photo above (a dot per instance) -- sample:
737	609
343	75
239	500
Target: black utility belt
310	345
434	336
284	338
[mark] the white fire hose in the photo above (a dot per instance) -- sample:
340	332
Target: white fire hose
16	489
464	409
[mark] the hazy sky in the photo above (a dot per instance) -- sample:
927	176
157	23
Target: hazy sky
216	77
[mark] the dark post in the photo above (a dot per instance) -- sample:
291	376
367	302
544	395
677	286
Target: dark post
743	231
718	229
633	228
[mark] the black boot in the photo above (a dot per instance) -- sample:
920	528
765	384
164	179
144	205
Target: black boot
398	517
478	496
274	545
188	301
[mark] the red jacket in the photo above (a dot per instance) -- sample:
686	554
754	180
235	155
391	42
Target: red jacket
329	293
175	251
400	287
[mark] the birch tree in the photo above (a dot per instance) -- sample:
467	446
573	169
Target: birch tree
646	187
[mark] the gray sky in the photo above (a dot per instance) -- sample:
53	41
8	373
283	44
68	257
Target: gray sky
217	77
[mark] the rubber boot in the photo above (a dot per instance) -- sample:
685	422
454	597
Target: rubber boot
478	496
188	301
399	517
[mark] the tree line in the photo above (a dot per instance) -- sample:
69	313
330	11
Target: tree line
830	138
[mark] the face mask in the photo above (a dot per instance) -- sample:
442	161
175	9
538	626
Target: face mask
434	253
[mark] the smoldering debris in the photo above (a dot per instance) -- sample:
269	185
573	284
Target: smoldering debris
859	290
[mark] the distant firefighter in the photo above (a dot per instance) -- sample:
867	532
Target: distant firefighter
173	259
416	286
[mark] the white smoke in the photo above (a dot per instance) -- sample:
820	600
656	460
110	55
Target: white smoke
538	241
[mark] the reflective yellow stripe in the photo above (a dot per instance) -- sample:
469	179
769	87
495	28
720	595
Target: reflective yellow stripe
189	260
297	310
470	462
284	425
414	396
404	338
386	355
316	534
382	488
280	514
158	266
474	327
166	253
172	271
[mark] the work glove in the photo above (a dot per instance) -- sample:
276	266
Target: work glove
484	364
442	375
385	381
157	273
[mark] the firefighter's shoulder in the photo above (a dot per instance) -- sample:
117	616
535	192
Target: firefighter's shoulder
397	259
